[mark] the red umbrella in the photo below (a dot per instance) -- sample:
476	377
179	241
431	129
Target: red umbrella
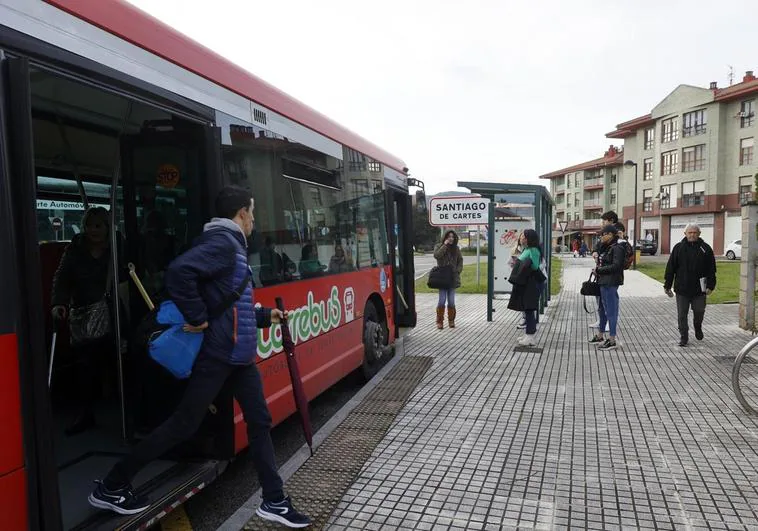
301	401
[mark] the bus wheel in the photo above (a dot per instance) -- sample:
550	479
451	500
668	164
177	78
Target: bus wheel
375	350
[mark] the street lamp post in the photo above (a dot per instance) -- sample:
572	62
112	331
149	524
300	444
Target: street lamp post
636	228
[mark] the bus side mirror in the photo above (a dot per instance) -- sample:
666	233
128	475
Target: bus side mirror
421	201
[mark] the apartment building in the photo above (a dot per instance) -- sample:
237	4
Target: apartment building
582	193
695	162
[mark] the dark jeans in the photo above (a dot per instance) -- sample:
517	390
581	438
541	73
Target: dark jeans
683	304
609	309
531	321
92	362
208	377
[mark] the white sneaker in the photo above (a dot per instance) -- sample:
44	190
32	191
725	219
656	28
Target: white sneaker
521	325
527	341
595	324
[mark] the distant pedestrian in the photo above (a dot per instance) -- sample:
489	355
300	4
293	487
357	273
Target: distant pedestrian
528	280
691	270
610	275
583	250
448	253
515	253
608	218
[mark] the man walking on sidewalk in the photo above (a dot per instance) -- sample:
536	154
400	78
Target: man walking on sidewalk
199	281
691	270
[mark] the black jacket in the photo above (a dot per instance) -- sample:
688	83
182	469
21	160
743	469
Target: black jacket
687	264
526	290
610	270
81	278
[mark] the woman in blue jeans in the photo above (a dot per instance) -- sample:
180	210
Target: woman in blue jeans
449	254
610	275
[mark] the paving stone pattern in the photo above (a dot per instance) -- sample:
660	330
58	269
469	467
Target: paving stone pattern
649	436
318	485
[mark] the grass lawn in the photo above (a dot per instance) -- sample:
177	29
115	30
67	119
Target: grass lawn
468	280
727	280
555	280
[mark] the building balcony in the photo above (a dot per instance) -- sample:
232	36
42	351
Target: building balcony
594	184
593	204
593	223
560	191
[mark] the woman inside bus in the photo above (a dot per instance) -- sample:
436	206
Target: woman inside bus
309	265
79	295
340	263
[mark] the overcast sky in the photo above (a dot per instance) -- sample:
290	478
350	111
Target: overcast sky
493	90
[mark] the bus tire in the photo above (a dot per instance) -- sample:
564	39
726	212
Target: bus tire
375	351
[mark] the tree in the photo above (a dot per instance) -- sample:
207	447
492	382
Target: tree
424	235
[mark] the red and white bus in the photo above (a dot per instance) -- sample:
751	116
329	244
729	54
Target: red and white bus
104	105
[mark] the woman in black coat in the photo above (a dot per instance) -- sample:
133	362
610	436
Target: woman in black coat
610	275
80	281
527	280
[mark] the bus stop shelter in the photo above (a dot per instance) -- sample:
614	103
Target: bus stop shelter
513	208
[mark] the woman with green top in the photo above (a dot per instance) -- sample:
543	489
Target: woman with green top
528	281
309	265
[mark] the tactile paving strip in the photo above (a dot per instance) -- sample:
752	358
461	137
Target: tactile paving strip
317	487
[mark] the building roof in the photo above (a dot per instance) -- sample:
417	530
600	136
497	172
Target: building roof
747	87
613	157
628	128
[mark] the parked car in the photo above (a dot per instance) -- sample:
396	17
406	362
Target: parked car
734	250
647	247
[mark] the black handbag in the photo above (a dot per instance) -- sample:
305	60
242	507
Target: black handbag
590	287
441	277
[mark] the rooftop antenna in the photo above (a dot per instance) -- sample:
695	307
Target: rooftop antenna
731	75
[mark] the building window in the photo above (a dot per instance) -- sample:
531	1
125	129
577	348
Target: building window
649	137
568	180
374	166
647	175
613	178
693	123
576	216
746	151
576	200
613	198
647	200
747	113
693	158
669	162
356	161
693	193
670	130
746	189
665	196
568	199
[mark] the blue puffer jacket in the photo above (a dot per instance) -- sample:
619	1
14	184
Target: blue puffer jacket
200	279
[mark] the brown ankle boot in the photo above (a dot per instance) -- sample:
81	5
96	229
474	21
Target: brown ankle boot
451	316
440	318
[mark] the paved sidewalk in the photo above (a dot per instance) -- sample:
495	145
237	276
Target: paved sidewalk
649	436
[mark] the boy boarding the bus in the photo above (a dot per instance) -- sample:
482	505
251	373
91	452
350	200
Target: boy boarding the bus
194	281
